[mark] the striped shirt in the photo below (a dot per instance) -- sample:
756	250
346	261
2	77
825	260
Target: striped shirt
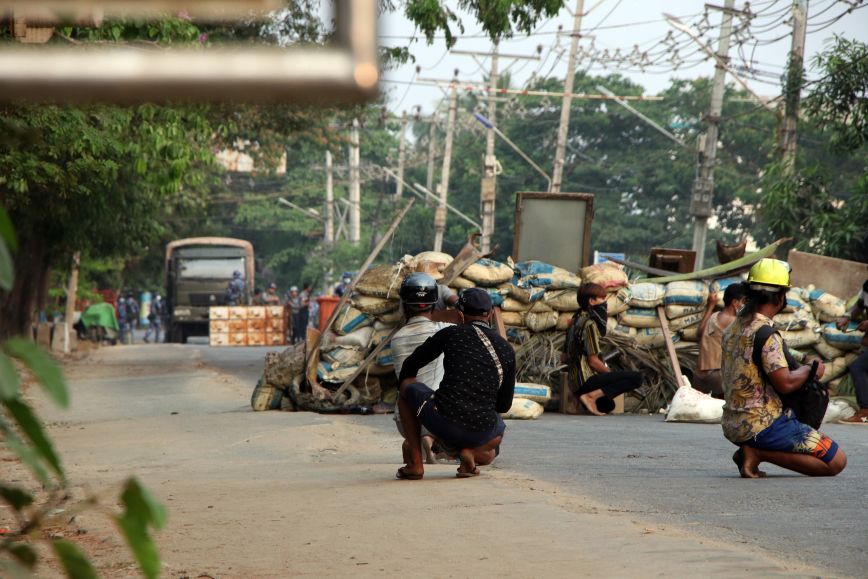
410	337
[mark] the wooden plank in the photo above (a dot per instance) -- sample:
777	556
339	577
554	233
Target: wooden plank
670	347
497	318
468	255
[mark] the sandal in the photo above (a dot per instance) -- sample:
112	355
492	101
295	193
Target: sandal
402	474
471	474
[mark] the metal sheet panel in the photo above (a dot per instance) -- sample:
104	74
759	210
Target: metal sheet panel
554	228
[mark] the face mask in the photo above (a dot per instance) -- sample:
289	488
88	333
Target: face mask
599	313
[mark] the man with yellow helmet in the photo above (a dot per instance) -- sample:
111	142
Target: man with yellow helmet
753	416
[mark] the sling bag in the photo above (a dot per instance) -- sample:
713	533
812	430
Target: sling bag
491	351
809	402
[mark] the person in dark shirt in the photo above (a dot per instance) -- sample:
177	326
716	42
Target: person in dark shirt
478	384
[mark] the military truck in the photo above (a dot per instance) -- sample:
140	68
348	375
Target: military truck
198	271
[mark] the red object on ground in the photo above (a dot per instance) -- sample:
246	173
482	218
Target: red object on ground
327	305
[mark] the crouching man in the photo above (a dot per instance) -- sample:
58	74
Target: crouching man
477	385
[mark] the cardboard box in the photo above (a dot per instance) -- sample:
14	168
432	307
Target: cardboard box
275	325
238	338
256	325
238	313
219	339
237	326
218	326
218	313
274	312
255	338
256	313
275	338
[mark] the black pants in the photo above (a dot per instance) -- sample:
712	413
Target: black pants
613	384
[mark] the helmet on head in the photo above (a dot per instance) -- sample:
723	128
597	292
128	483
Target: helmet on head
236	273
272	285
419	291
293	288
769	275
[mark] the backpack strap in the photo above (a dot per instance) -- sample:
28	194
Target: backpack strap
759	340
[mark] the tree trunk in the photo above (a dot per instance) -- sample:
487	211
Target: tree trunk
17	307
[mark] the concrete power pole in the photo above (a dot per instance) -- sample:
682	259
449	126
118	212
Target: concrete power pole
432	150
489	178
355	186
703	186
401	140
564	126
443	187
329	203
795	70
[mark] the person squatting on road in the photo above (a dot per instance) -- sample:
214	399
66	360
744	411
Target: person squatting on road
707	376
754	418
859	368
478	384
590	377
419	298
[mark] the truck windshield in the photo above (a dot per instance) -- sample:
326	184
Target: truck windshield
210	268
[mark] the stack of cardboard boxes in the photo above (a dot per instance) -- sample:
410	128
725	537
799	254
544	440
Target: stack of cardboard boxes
247	326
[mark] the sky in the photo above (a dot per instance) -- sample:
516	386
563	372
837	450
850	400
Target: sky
616	34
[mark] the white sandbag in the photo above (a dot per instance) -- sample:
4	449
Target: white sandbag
686	293
344	355
383	281
513	318
646	295
381	325
338	373
618	302
849	339
539	393
437	257
607	274
838	367
540	307
373	305
838	409
265	397
640	318
488	273
561	280
653	337
674	311
540	321
564	319
685	322
461	282
827	307
350	319
690	334
800	339
626	331
524	293
562	300
691	405
827	351
357	339
795	301
796	320
391	318
523	409
513	305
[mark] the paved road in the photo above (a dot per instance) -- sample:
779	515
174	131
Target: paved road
678	474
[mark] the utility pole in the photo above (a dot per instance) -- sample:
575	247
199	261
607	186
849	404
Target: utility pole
564	126
432	145
399	190
71	293
489	170
793	87
329	203
443	186
703	185
355	186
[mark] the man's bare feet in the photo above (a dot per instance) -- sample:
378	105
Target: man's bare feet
590	404
747	462
427	448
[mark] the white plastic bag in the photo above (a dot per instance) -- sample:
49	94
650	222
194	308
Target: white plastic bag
690	405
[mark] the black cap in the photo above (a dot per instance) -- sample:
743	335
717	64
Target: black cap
474	302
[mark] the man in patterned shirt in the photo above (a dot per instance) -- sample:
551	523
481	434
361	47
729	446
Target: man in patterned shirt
478	384
753	416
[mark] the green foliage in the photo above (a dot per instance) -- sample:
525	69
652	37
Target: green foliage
141	511
74	562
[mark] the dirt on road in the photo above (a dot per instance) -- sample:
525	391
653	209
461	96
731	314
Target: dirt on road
291	494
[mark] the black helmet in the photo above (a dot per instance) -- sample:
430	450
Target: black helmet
419	291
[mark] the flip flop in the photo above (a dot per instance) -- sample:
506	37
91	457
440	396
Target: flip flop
462	474
401	474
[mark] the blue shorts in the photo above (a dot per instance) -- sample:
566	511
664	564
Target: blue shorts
787	434
419	398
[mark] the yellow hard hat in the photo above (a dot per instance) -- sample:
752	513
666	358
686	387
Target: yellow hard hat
769	275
